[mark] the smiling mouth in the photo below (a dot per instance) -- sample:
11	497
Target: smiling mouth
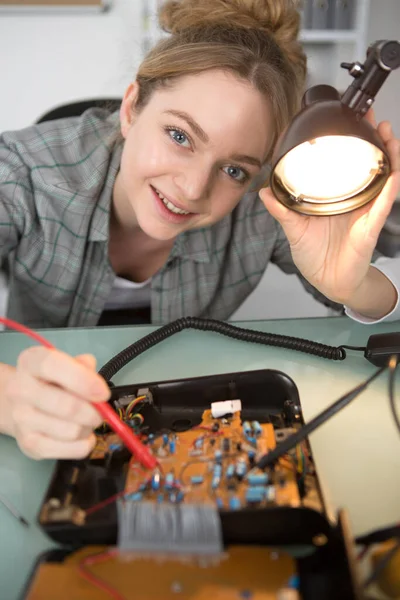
174	209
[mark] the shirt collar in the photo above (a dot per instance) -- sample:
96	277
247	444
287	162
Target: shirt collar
99	229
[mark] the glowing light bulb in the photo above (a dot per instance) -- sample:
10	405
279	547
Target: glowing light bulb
329	168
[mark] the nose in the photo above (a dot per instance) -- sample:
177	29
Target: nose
194	183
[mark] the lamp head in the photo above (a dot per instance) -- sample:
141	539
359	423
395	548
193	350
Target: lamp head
331	160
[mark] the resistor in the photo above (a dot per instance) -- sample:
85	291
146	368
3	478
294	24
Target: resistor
230	471
234	503
216	478
198	443
165	439
172	446
220	502
218	456
257	478
169	481
135	497
251	455
114	447
196	479
155	481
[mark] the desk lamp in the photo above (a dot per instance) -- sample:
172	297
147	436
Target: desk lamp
330	160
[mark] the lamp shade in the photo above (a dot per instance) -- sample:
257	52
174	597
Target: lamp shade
329	160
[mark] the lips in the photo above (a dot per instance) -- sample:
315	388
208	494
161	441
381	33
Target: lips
171	205
168	210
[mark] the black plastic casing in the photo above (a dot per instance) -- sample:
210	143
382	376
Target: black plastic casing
381	347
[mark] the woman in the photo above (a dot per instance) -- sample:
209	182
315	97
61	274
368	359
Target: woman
168	206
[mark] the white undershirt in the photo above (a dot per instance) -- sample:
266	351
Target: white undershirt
128	294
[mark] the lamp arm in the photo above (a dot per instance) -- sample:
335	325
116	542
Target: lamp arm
382	58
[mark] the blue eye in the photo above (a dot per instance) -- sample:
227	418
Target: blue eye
179	137
236	173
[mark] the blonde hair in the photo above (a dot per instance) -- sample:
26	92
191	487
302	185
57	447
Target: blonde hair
253	39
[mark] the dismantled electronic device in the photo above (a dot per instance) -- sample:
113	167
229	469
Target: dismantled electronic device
205	522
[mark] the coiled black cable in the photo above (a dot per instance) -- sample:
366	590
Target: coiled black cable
245	335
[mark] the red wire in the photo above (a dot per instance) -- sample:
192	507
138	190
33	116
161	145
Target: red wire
99	583
139	450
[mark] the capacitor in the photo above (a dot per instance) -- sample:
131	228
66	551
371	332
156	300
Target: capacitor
241	468
255	494
155	481
257	478
165	439
230	471
150	438
234	503
226	445
246	428
218	456
172	445
160	498
216	478
169	481
215	427
197	479
256	427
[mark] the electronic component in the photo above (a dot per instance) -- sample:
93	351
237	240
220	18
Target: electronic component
227	407
257	478
234	503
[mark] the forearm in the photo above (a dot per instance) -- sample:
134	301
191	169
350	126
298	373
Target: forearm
376	297
5	418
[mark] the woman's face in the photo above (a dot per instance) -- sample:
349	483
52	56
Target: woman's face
190	153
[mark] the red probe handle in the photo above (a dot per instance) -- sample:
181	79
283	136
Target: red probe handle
131	441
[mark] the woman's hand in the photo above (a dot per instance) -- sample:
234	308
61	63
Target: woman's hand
50	400
334	253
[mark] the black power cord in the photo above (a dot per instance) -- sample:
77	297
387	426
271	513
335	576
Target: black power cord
300	435
244	335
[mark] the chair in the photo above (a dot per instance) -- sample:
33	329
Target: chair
75	109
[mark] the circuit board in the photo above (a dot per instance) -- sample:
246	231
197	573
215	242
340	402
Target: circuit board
214	462
242	572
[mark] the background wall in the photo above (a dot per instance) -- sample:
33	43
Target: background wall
46	60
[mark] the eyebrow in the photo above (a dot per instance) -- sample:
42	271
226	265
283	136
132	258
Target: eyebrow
204	137
191	122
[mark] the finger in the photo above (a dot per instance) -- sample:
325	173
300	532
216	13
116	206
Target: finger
30	420
26	390
382	205
61	369
88	360
385	131
38	446
370	117
393	148
292	222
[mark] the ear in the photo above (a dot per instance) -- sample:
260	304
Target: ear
127	110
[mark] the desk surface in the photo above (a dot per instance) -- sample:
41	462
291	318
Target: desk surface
357	453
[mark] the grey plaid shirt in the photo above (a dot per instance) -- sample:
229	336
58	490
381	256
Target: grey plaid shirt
56	183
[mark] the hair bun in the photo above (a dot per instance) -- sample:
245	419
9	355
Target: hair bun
277	17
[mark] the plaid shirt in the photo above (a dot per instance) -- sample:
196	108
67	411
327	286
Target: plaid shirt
56	183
